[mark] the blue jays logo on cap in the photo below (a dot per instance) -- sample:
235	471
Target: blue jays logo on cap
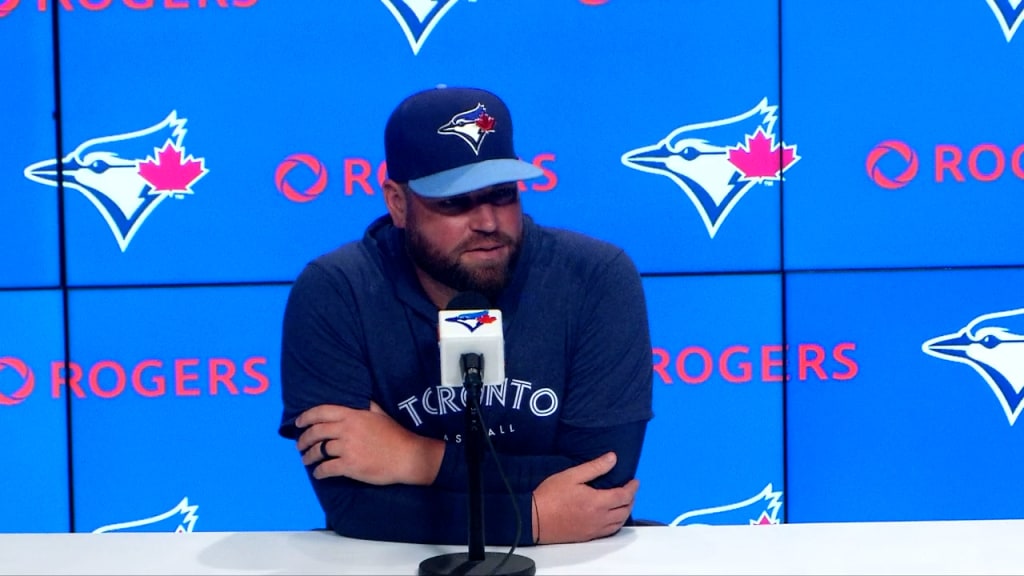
421	150
471	125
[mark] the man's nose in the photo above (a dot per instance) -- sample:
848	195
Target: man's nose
484	218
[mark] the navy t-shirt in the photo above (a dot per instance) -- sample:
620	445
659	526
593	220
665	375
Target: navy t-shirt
358	327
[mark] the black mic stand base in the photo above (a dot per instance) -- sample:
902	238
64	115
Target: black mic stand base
459	564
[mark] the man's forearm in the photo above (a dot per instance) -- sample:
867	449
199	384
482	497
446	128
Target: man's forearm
419	514
426	463
526	472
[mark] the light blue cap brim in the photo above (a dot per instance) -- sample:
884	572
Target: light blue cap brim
473	177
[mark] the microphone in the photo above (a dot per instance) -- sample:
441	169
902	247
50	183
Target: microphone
470	331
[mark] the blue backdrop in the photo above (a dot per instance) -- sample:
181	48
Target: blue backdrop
823	199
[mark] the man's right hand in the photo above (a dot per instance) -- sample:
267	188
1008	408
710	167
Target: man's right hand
568	510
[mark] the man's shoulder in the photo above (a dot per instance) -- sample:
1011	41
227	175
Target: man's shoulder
576	248
349	255
350	265
353	258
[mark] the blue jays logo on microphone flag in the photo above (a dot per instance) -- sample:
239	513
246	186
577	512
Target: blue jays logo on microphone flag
126	176
716	163
418	18
472	126
992	344
473	320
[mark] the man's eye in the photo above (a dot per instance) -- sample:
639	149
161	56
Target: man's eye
456	204
502	196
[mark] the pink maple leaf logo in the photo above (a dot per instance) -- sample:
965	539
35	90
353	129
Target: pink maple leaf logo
760	158
172	171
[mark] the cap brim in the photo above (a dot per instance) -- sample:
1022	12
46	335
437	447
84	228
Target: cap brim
473	177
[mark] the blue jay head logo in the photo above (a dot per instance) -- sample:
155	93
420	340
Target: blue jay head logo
472	320
762	508
126	176
181	518
992	344
1009	13
418	18
472	126
716	163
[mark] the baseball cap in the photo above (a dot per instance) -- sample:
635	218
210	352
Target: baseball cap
449	141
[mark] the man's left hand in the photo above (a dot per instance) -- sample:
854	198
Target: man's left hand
366	445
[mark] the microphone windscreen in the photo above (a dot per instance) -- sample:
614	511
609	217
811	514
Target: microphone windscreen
468	301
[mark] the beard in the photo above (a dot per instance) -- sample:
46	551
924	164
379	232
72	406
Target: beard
488	280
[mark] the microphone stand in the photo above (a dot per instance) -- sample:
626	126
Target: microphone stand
477	561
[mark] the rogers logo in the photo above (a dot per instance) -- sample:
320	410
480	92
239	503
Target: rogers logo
739	364
28	379
149	378
289	164
985	162
875	173
8	6
360	174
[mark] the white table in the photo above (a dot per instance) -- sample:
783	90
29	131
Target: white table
961	547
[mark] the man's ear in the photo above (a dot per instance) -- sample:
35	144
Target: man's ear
394	198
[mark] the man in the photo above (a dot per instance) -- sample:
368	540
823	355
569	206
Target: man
382	441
